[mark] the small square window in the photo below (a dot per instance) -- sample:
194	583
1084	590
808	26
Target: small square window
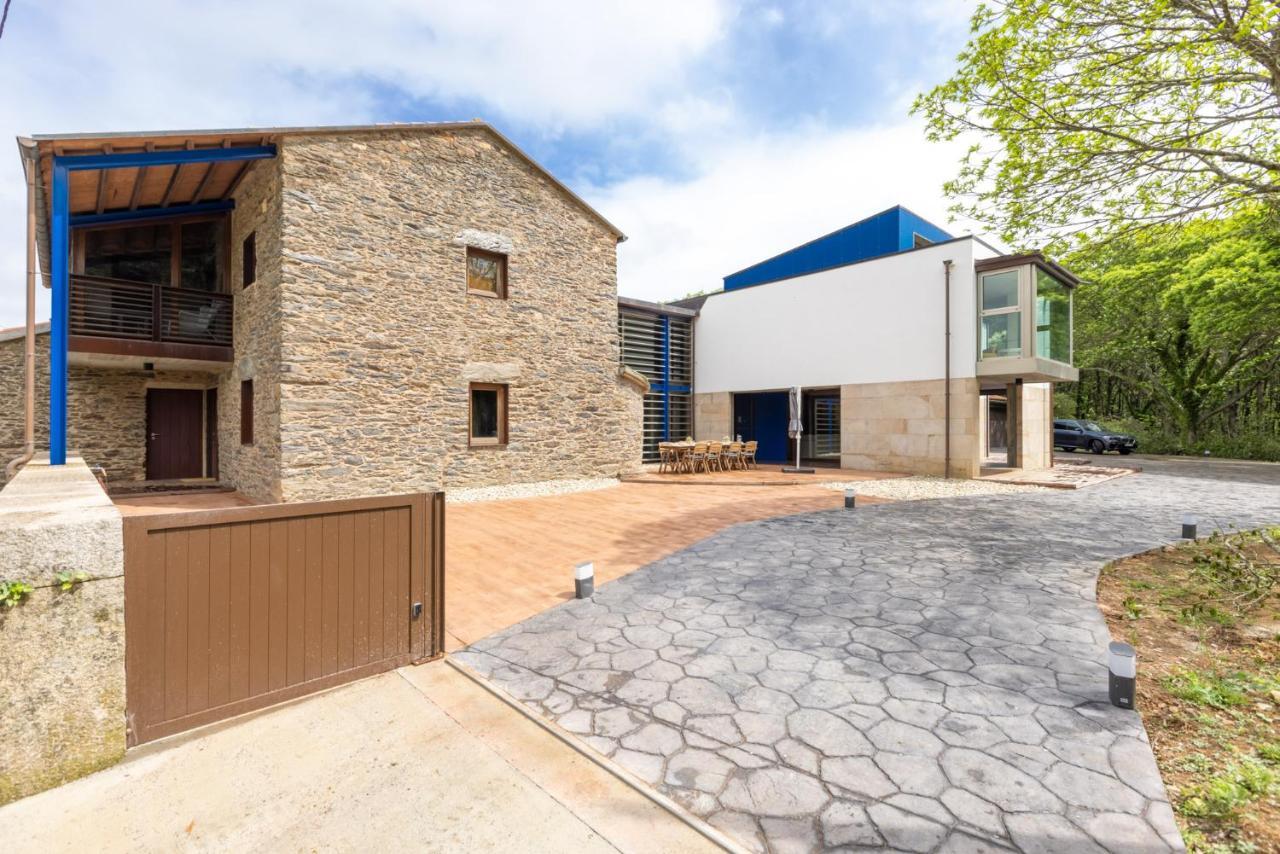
249	260
246	412
486	273
488	416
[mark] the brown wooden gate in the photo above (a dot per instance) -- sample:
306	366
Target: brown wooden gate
231	610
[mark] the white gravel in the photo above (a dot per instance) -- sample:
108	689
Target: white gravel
919	488
527	490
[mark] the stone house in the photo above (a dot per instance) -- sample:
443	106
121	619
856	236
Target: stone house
314	313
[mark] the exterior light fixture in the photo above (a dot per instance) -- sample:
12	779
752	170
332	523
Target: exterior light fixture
584	580
1188	526
850	499
1122	662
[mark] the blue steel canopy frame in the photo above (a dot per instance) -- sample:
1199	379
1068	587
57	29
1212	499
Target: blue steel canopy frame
60	222
664	386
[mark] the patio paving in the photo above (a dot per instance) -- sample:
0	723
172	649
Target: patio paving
509	560
921	676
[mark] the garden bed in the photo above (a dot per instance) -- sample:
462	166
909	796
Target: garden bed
1205	619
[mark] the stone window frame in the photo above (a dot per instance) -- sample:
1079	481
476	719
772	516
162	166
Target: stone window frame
489	254
500	441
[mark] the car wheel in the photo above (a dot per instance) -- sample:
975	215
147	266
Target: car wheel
1097	447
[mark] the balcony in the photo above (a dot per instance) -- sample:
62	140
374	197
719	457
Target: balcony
122	318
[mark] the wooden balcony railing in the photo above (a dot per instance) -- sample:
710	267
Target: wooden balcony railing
135	311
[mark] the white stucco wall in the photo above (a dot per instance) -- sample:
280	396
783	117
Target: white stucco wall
877	321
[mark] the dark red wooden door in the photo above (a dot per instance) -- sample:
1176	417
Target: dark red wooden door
175	421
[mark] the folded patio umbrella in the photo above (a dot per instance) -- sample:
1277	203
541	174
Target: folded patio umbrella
795	427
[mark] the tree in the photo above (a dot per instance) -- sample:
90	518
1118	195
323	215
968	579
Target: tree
1185	314
1102	116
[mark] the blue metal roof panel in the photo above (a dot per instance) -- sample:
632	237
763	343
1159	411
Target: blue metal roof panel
889	231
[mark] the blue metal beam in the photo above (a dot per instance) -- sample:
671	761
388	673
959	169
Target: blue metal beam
59	262
666	378
152	213
133	159
659	385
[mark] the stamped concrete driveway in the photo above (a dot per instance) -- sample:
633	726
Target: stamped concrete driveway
924	676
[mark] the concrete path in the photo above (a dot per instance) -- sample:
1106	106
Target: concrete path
921	676
421	759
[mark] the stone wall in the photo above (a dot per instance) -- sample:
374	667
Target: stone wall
255	468
712	415
12	387
61	652
380	338
902	427
106	410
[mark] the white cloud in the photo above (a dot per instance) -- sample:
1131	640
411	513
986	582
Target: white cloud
584	66
85	65
756	197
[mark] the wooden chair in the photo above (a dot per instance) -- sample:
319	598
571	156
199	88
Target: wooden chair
666	457
697	458
715	456
732	456
749	454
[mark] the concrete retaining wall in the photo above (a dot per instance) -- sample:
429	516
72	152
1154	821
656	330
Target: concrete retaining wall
61	652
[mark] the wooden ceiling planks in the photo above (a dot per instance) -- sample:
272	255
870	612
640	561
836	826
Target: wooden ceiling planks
108	190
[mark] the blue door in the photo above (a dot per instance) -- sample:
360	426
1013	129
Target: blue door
762	417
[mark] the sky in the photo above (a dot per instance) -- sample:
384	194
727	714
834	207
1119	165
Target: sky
714	133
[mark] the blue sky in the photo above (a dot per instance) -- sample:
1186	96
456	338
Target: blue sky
714	133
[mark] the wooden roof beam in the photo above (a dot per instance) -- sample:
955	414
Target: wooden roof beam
173	179
244	170
208	174
136	196
102	183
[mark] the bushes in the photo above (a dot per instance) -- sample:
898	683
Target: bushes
1155	439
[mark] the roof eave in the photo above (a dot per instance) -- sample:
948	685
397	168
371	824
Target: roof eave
45	144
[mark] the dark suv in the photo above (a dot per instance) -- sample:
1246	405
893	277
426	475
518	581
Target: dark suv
1069	434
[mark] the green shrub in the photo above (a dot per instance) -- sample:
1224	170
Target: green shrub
1208	689
1223	795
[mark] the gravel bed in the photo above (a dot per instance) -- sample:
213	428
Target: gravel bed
919	488
527	490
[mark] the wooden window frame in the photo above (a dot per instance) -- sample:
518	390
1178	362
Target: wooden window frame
247	398
501	258
249	259
175	224
501	440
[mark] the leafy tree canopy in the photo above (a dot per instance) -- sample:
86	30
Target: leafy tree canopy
1186	313
1100	116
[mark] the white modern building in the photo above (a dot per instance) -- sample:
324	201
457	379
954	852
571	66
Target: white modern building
917	351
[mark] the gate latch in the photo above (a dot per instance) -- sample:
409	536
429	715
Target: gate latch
416	611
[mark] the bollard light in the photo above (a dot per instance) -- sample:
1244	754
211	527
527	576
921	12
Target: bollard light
1188	527
850	498
1122	662
584	580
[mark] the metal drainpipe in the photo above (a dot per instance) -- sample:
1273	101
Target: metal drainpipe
946	429
29	432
